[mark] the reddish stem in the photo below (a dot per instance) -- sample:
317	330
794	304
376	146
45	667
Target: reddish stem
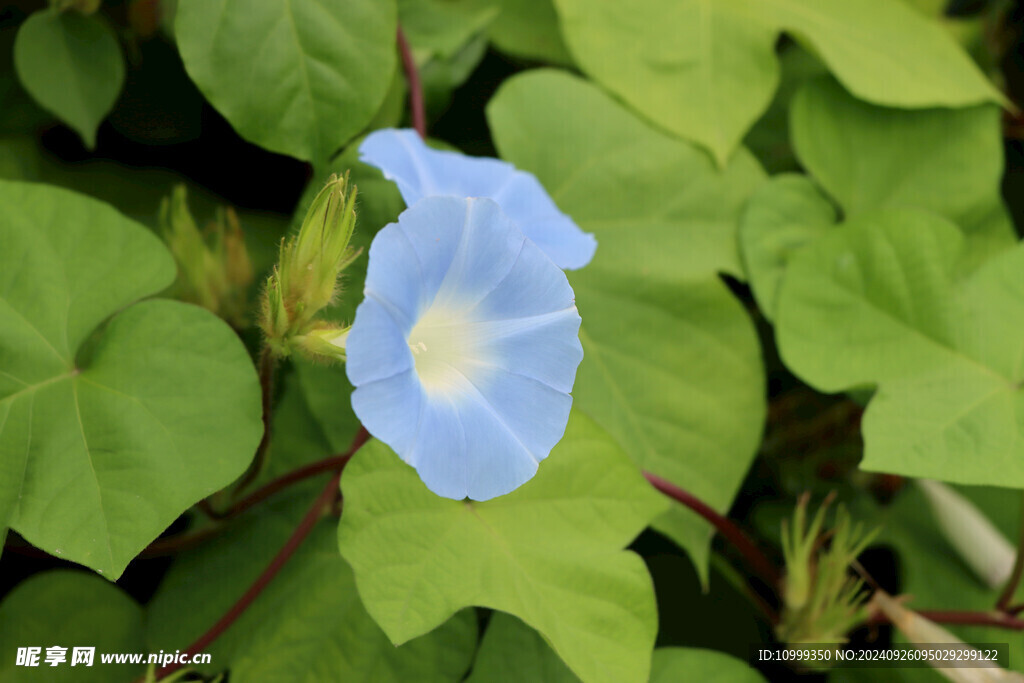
952	616
335	462
323	503
170	545
758	560
412	75
956	617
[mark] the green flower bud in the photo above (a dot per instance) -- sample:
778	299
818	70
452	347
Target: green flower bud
309	267
324	344
822	601
213	268
312	262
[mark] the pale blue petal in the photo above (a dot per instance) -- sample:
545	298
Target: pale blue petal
545	348
376	346
485	457
433	229
531	288
465	368
389	408
534	413
497	460
394	277
489	247
420	171
439	454
527	203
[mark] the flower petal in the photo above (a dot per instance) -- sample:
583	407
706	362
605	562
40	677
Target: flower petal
464	369
377	347
439	453
395	278
545	348
389	408
526	202
420	171
481	459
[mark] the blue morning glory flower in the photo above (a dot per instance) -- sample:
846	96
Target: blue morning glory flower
465	347
420	171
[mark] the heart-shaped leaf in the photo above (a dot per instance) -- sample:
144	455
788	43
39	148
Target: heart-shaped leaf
298	77
69	609
877	302
549	552
658	206
705	69
671	368
511	645
867	157
107	433
72	65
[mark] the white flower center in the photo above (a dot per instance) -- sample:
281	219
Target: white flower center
444	344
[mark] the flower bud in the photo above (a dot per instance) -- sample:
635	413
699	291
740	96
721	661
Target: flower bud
306	278
822	601
324	344
312	263
213	268
198	280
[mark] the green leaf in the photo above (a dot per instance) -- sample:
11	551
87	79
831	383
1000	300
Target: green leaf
769	139
861	41
308	624
442	27
72	65
529	29
393	108
675	375
620	178
877	303
705	69
299	77
69	609
107	433
672	368
949	161
702	69
510	645
680	663
784	215
549	552
866	157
